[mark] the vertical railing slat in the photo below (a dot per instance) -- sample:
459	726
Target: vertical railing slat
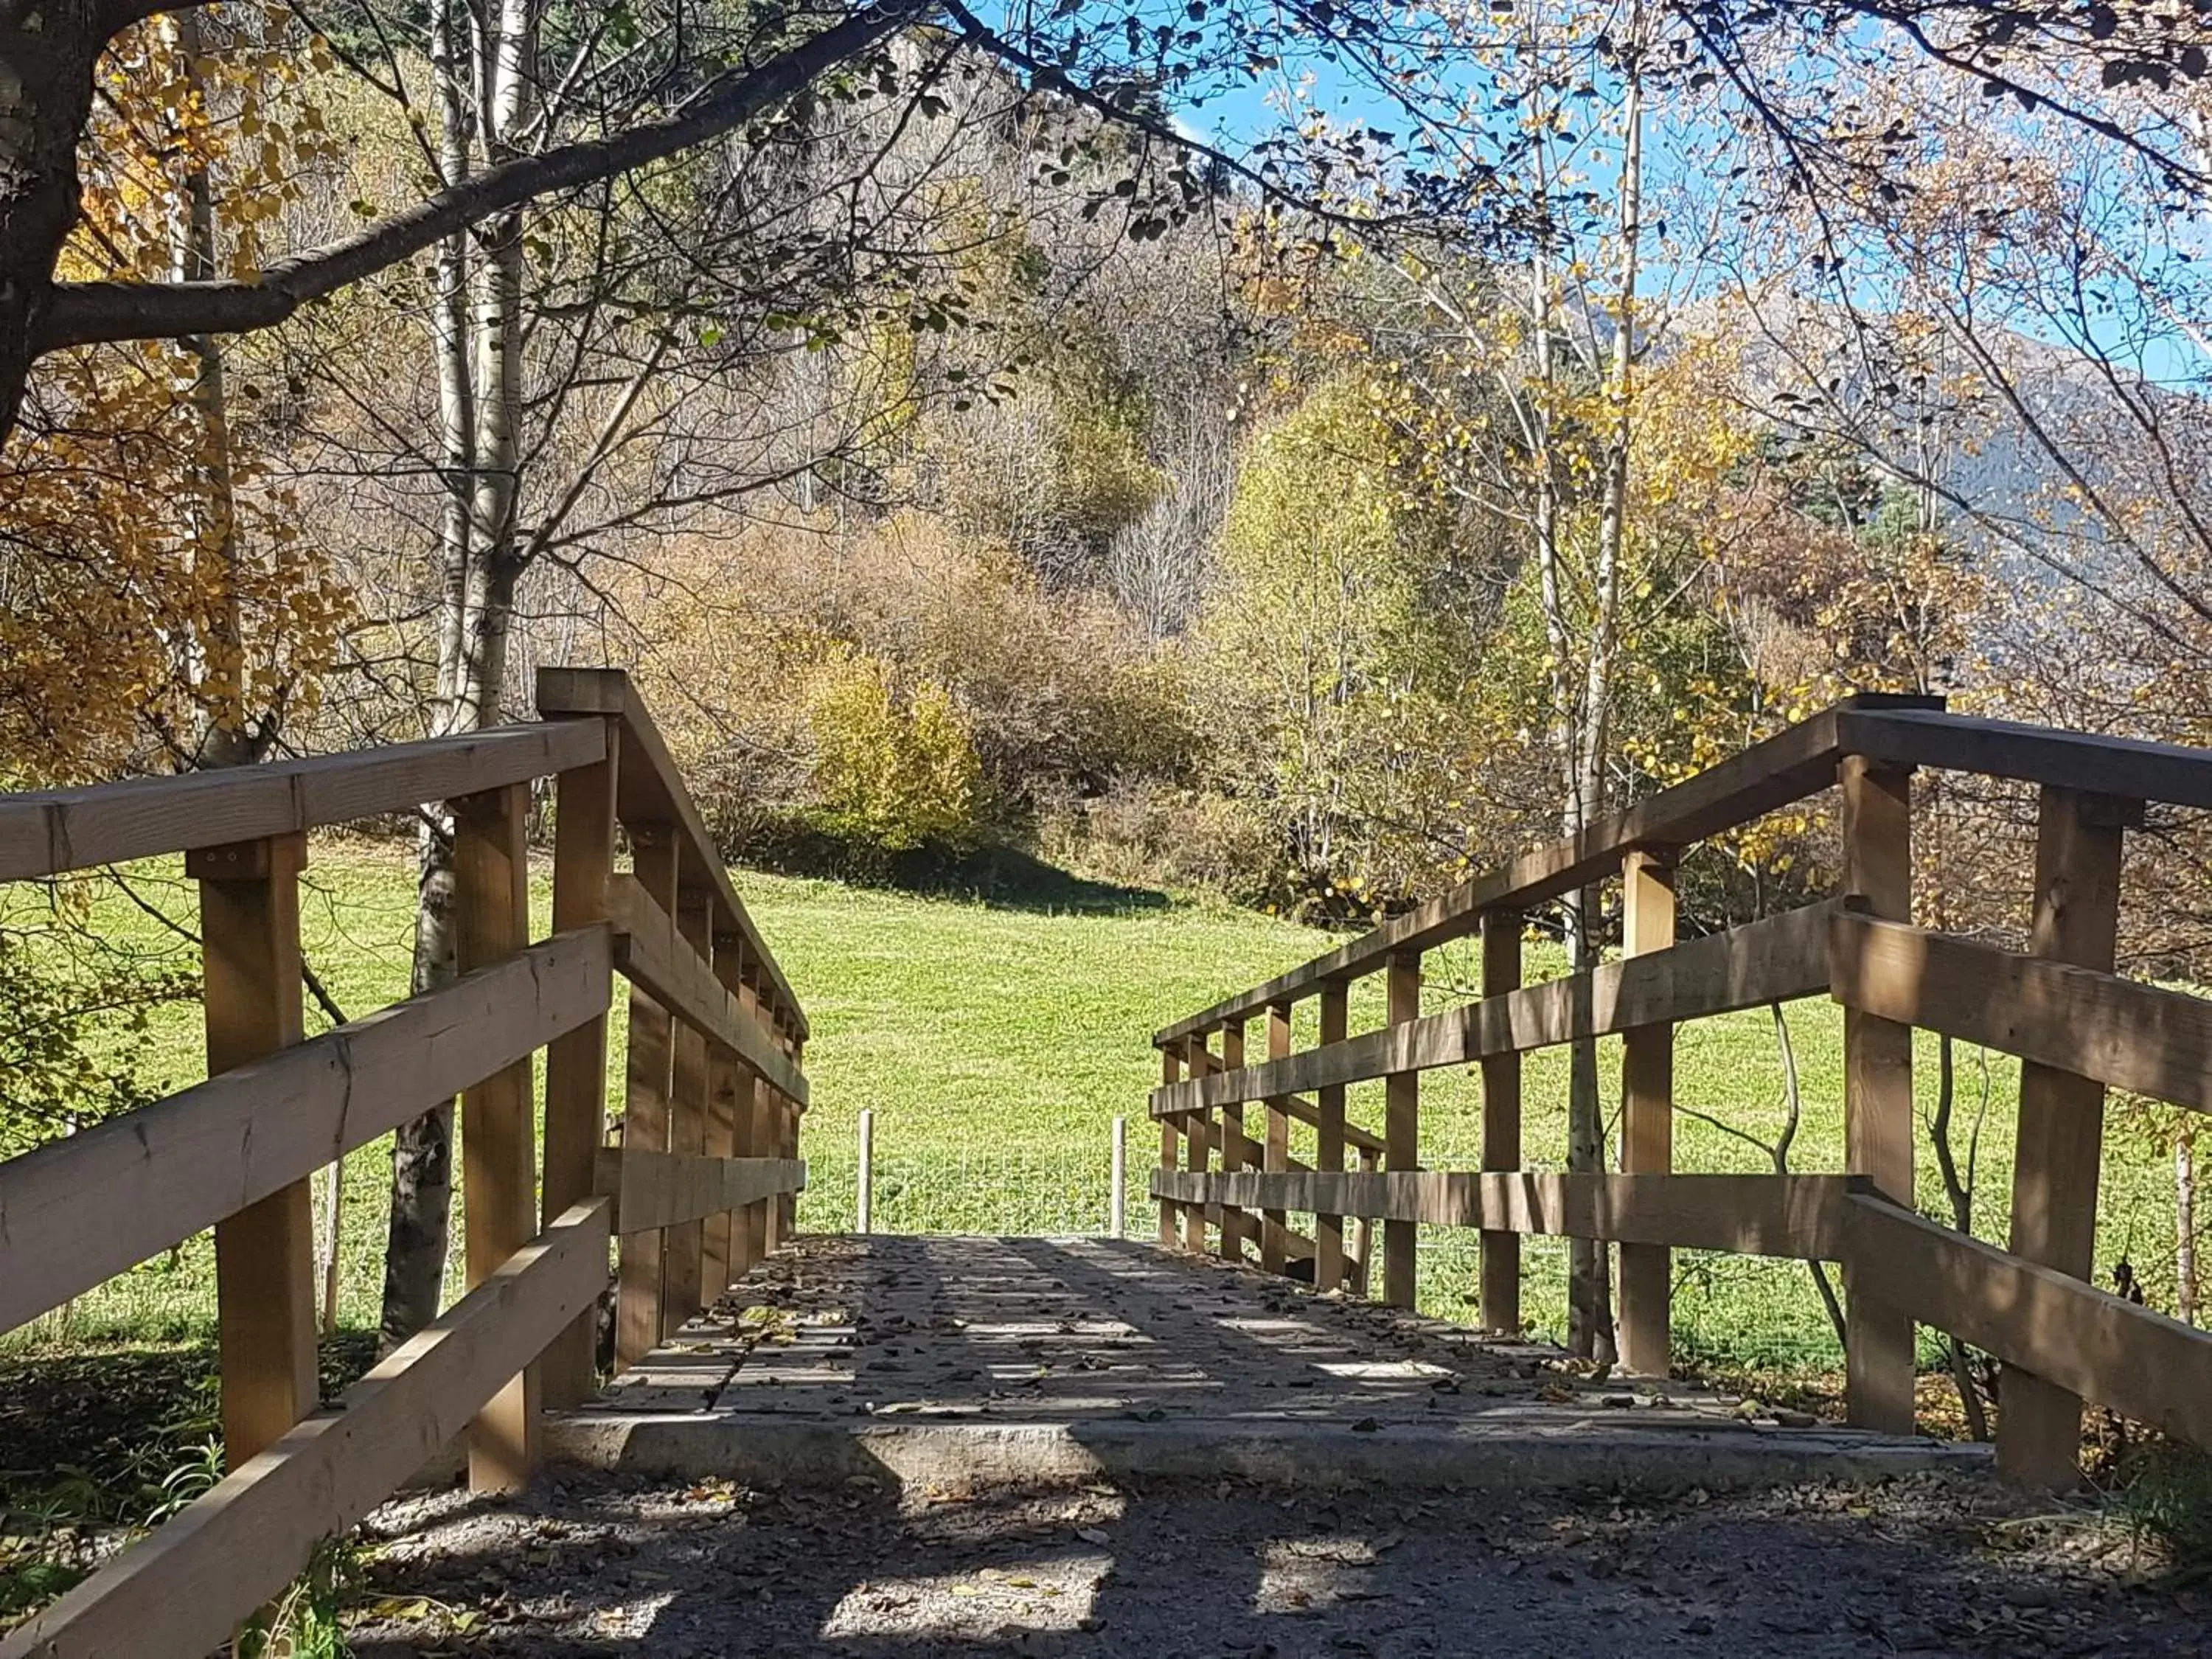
2061	1118
1878	1122
1647	1131
1500	1289
1401	1132
249	897
499	1163
654	862
576	1061
1329	1142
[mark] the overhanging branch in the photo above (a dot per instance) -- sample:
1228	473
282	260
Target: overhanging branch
84	314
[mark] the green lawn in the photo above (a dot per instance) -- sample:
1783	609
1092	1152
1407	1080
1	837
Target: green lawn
995	1045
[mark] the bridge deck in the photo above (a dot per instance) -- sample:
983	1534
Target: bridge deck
961	1359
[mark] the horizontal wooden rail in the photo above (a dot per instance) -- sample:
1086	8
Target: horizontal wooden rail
1777	960
180	1593
652	951
46	833
650	790
1792	1216
1769	775
2141	1364
2126	767
76	1211
652	1190
2117	1031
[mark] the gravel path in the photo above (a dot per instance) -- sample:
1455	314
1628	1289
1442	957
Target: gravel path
1927	1564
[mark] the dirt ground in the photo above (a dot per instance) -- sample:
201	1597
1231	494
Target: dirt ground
1933	1564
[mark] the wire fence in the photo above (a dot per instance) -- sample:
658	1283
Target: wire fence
1066	1191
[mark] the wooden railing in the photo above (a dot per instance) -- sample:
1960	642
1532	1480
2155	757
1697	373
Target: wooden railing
2076	1026
699	1187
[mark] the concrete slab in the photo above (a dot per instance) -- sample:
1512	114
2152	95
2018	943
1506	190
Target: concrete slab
967	1361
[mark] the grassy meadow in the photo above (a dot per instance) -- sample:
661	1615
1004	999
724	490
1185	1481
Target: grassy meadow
996	1042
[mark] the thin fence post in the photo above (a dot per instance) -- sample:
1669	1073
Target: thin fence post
499	1161
727	1106
1500	1288
2062	1116
1235	1145
1117	1201
758	1140
1647	1133
867	1180
264	1264
1878	1122
1171	1221
689	1107
1401	1132
645	1111
1329	1142
1274	1224
1196	1133
576	1061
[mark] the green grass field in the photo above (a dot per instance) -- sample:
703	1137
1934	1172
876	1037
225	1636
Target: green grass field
995	1045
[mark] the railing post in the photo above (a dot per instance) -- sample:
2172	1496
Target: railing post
1328	1143
1195	1134
1117	1200
2062	1116
264	1254
1274	1227
576	1061
1647	1095
867	1183
755	1128
1235	1145
1170	1152
787	1204
1401	1132
645	1111
687	1122
1500	1289
728	1106
1362	1235
1878	1124
499	1163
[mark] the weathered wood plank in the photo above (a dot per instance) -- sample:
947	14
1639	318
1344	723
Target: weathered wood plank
655	1190
651	952
576	1061
2142	1364
45	833
1500	1286
2059	1144
2125	768
1401	1126
1752	1214
77	1211
1332	1133
499	1162
653	791
1778	959
1647	1128
180	1592
264	1253
1880	1360
2124	1034
641	1289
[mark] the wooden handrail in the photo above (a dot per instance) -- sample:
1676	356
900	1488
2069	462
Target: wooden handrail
651	790
1777	960
2120	1032
76	1211
1786	768
48	832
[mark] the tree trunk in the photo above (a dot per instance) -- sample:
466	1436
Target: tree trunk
47	50
2184	1223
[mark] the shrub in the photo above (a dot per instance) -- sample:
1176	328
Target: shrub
898	772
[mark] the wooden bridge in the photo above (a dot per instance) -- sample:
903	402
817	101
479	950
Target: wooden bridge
697	1191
